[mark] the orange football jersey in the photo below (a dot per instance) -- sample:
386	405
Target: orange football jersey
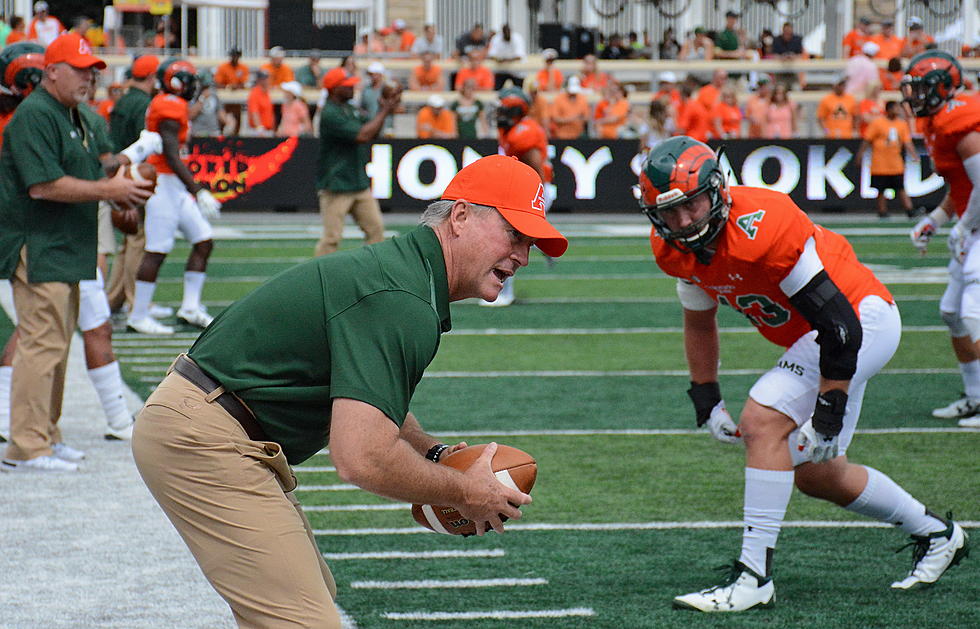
760	244
167	107
4	119
943	132
521	138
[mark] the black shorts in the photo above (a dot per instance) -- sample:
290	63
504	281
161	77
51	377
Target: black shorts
883	182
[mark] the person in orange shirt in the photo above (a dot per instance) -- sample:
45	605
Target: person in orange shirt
667	91
917	39
891	75
711	93
279	72
836	112
549	78
870	107
782	114
886	136
889	44
569	112
18	30
435	120
540	109
694	118
855	38
474	69
726	117
427	76
590	77
232	74
757	108
612	112
405	37
114	93
260	114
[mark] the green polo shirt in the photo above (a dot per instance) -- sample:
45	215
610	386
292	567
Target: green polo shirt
342	158
361	324
727	40
44	141
99	128
128	118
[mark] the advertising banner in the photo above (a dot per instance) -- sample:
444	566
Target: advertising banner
590	175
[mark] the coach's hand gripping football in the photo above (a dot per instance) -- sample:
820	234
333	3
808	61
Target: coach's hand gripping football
209	206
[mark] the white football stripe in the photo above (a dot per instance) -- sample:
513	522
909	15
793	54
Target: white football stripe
496	614
506	479
433	520
412	554
435	584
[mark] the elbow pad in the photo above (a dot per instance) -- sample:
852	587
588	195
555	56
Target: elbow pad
838	329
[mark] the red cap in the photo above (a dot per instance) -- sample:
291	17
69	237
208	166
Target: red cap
515	189
73	49
338	77
144	66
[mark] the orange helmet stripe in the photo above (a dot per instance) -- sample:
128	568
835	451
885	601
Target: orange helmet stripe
687	169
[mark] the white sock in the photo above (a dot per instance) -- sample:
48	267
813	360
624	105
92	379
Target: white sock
883	500
5	373
971	377
767	493
108	384
142	296
193	286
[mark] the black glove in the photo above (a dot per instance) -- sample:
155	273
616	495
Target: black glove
705	396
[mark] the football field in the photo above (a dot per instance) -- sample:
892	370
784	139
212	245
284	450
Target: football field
632	505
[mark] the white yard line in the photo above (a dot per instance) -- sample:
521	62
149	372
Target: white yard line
497	614
434	584
333	508
414	554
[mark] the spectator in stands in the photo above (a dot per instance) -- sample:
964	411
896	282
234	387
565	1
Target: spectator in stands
80	25
590	78
731	41
471	40
971	48
310	74
660	125
710	94
698	46
870	107
782	115
569	112
44	27
837	111
405	38
435	120
4	32
113	93
766	43
367	43
473	68
637	48
427	76
18	30
667	91
917	40
669	47
856	37
757	108
430	42
211	118
539	109
232	74
694	119
278	71
549	78
616	49
507	46
891	75
370	100
886	136
471	115
164	36
260	113
889	44
788	45
294	116
726	117
861	70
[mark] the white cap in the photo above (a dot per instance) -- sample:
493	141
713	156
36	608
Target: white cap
870	48
549	53
399	23
376	67
276	52
40	5
914	21
365	31
573	86
437	101
667	77
293	87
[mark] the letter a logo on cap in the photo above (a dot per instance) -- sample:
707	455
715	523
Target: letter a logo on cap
538	202
83	47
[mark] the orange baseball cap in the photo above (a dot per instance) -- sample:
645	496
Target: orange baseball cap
338	77
144	65
515	189
73	49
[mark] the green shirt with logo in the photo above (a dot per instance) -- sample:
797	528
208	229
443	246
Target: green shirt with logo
128	118
99	128
45	141
361	324
727	40
342	158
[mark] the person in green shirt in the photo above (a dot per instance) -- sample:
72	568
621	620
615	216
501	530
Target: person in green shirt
471	118
730	42
50	182
331	351
342	181
310	74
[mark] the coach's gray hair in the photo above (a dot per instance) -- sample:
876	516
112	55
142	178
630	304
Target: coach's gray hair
438	211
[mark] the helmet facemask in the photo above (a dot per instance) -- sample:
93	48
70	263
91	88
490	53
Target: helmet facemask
933	77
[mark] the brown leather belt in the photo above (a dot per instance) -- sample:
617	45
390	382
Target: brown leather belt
227	400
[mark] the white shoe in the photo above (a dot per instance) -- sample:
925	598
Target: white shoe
199	317
964	407
743	590
5	433
65	452
161	312
148	325
39	464
968	422
934	554
124	433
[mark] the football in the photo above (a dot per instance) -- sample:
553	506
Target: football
390	88
514	468
140	173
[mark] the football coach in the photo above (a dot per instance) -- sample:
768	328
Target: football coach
331	351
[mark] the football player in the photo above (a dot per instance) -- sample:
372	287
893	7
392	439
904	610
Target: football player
178	203
932	90
522	137
755	251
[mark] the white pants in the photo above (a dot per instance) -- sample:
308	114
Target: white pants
173	208
791	386
962	296
93	304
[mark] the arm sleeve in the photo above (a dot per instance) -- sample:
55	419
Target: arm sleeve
971	216
693	297
808	265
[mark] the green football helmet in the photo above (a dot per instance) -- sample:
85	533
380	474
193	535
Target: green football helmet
21	67
933	77
514	105
675	172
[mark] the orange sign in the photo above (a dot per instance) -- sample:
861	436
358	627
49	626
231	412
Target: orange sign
153	7
230	174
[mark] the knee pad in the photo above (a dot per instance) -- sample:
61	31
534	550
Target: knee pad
93	305
954	323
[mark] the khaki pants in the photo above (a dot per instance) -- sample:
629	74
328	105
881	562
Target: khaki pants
334	206
46	316
231	500
122	278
